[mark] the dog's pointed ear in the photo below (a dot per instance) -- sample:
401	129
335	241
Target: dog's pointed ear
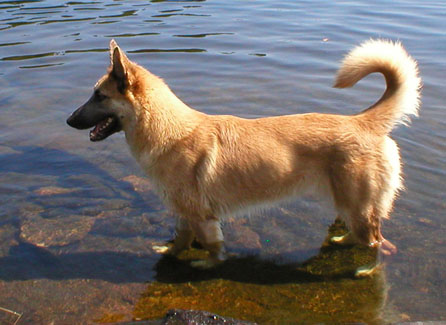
119	66
113	45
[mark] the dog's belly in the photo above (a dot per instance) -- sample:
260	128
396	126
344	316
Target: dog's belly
238	191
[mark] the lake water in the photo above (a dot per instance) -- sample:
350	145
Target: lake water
78	220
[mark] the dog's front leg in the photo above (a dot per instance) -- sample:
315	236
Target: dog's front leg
210	236
184	235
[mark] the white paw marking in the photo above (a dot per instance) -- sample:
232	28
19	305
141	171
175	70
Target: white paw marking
346	239
160	249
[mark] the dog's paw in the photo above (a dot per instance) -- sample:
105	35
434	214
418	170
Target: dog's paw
345	240
387	248
164	249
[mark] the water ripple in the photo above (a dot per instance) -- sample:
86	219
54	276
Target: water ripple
132	34
38	13
88	9
87	50
67	20
38	66
20	23
13	43
124	14
45	7
190	50
202	35
106	22
28	56
74	3
171	15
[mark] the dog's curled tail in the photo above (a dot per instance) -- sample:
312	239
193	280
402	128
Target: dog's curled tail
402	96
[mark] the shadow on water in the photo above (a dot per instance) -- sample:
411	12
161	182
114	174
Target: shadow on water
46	161
26	261
256	270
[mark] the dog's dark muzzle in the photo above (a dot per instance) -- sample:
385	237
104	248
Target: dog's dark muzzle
94	114
88	115
79	120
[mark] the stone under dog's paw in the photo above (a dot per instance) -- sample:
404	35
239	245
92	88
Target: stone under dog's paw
367	270
204	264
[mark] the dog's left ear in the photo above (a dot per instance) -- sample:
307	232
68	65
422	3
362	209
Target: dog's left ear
119	64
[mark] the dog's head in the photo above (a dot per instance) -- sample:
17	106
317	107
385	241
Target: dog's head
109	108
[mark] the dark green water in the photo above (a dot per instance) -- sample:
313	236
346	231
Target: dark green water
77	220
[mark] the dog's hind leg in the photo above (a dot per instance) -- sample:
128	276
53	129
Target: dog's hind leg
210	236
184	235
365	226
390	184
363	198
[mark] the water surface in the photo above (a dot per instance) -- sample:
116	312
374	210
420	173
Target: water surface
78	219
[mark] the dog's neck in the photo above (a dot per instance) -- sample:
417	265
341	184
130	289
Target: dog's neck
162	120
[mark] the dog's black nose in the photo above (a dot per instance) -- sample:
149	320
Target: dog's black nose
70	120
74	121
78	119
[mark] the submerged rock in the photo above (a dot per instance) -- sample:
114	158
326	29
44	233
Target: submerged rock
240	236
53	190
139	184
45	232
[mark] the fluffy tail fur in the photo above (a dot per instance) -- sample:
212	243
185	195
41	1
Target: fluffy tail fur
402	96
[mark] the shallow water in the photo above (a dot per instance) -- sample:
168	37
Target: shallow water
78	220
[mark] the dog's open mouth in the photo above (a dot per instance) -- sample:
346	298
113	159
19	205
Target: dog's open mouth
105	128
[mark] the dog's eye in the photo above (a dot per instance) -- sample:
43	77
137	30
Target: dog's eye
99	96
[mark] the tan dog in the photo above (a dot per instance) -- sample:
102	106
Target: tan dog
207	167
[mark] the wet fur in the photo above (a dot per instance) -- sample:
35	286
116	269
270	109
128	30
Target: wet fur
206	167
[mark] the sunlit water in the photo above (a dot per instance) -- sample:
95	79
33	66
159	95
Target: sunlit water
77	220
